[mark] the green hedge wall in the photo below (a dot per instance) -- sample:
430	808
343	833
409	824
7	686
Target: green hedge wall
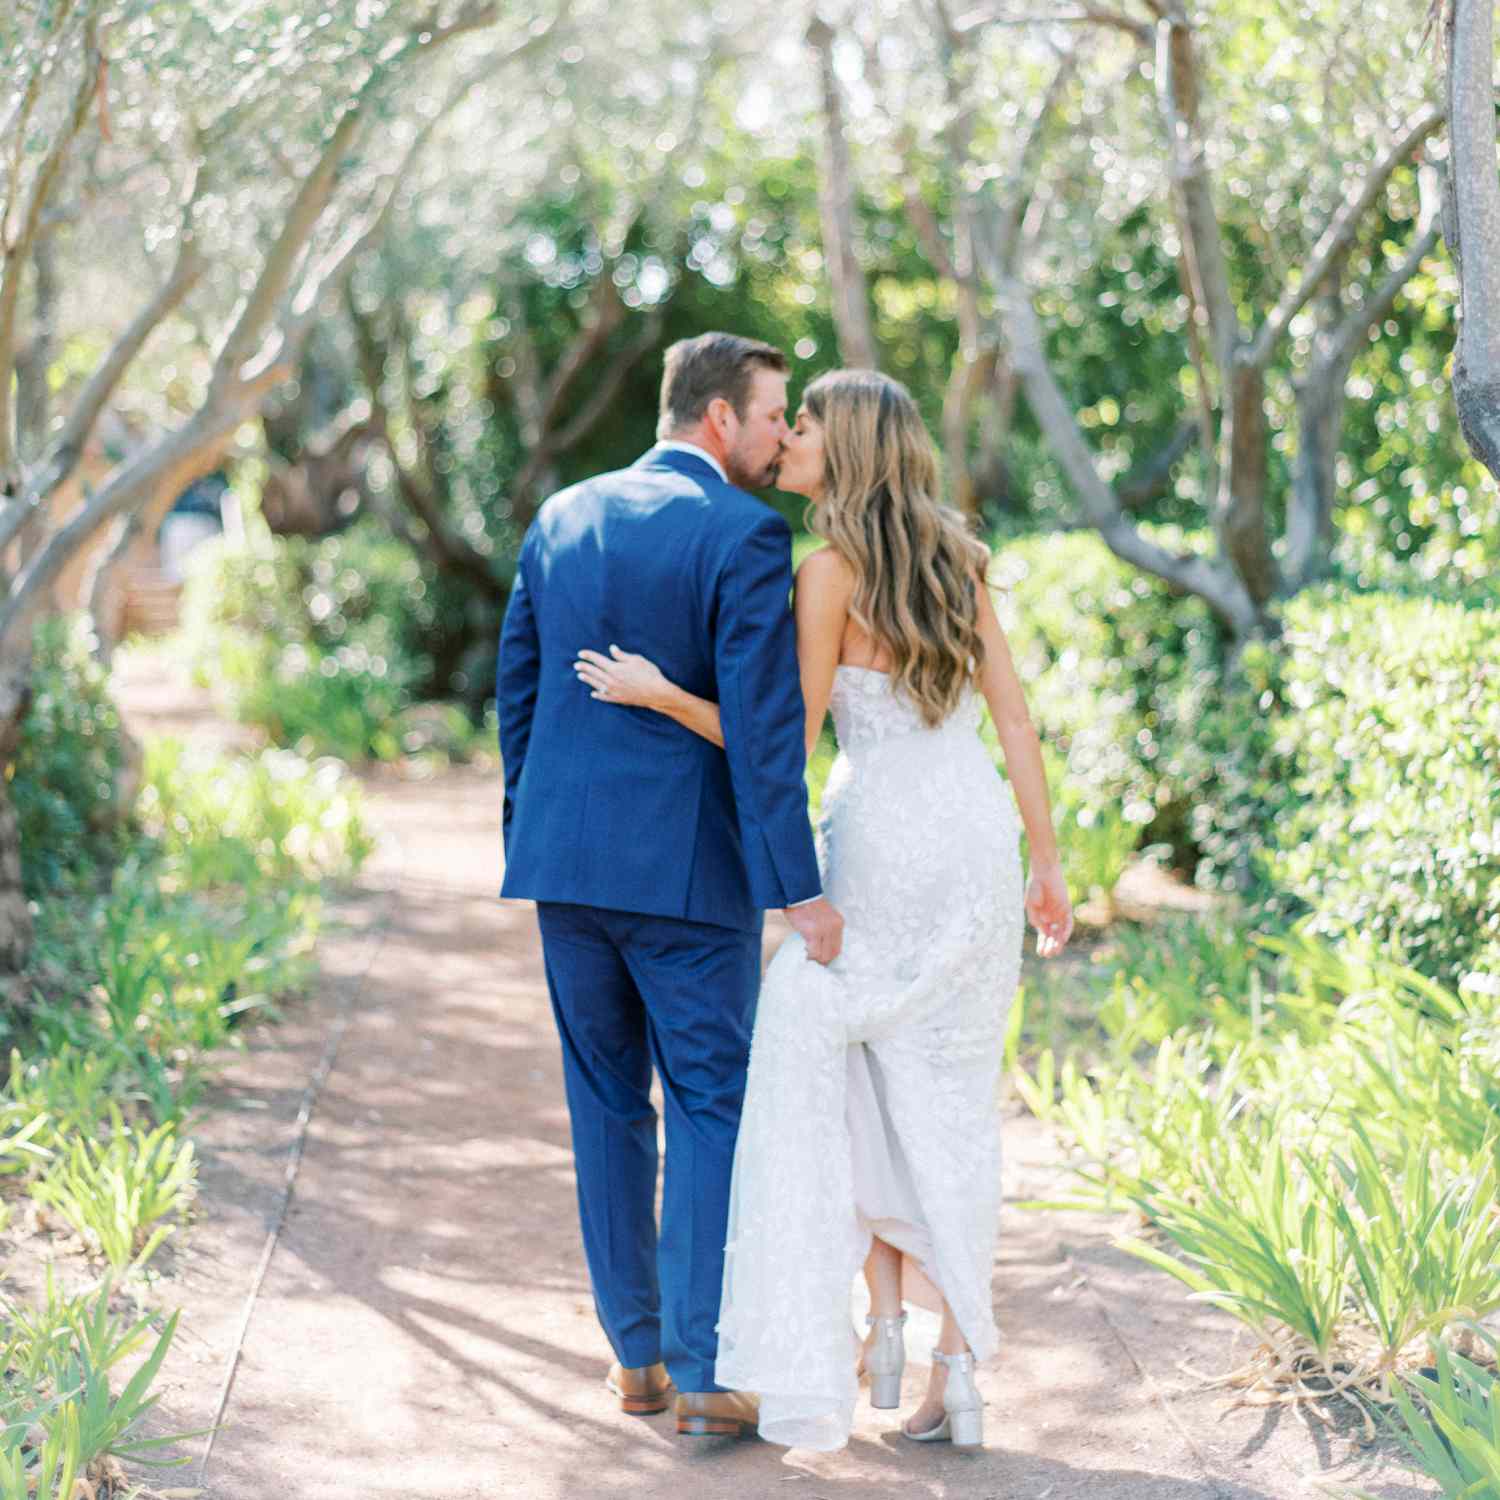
1348	773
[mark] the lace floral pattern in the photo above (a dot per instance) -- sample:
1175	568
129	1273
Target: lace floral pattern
871	1101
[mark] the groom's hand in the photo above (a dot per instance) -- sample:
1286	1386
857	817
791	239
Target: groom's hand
821	926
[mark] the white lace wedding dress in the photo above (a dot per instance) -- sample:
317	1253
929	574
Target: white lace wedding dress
871	1103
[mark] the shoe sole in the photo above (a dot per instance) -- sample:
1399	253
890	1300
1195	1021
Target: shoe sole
713	1427
640	1406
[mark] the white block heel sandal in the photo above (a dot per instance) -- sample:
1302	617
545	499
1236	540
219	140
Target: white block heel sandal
963	1408
885	1361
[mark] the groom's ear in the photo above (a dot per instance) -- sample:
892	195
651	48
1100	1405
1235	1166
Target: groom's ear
722	419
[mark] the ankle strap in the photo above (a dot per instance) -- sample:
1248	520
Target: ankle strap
899	1321
964	1361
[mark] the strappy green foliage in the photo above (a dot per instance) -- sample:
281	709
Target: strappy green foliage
117	1194
58	1413
1324	1164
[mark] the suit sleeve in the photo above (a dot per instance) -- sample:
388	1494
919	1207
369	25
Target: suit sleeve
760	704
516	679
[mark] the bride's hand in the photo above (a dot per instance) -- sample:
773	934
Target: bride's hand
623	678
1049	910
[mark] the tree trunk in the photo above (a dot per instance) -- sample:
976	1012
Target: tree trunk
1309	521
984	387
993	481
1320	424
958	407
1179	96
15	914
32	404
851	300
1474	232
1239	516
106	585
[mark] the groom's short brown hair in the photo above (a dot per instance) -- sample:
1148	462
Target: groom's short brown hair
713	364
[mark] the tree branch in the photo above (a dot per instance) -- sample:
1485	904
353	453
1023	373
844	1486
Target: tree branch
1021	180
1085	15
63	457
1356	326
17	254
1178	97
608	387
14	128
929	236
235	388
1147	481
1188	573
851	301
317	189
1339	235
437	541
286	250
609	313
184	454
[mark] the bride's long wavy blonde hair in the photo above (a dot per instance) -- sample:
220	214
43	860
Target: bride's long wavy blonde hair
917	568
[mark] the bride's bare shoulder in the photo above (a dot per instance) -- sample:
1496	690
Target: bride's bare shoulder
826	571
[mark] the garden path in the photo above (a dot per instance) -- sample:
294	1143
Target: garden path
424	1327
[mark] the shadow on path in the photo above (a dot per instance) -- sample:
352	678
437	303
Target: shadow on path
426	1330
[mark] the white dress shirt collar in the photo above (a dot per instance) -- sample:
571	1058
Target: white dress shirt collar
697	452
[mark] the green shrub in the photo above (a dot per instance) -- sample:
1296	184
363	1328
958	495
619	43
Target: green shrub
1344	772
324	644
1353	778
1113	666
67	1092
178	971
1183	971
65	779
1094	837
244	820
212	916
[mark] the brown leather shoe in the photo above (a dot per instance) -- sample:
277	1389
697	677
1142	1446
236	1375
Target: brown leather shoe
731	1414
642	1392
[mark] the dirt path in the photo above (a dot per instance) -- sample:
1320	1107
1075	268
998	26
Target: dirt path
424	1328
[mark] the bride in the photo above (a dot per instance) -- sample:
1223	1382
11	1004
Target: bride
870	1131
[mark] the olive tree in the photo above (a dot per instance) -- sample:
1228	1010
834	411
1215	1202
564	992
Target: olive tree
243	162
1021	136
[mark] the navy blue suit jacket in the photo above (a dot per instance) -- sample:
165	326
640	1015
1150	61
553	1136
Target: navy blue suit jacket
623	808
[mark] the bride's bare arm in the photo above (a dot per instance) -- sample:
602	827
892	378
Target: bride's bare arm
1047	903
824	587
637	682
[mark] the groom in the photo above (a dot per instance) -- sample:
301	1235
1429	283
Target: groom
652	853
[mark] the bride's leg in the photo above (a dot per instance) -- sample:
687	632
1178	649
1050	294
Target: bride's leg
930	1413
883	1277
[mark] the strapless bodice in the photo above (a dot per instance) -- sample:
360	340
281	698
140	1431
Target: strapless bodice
868	709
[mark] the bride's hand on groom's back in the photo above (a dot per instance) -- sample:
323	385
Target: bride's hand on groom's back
623	678
1049	910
